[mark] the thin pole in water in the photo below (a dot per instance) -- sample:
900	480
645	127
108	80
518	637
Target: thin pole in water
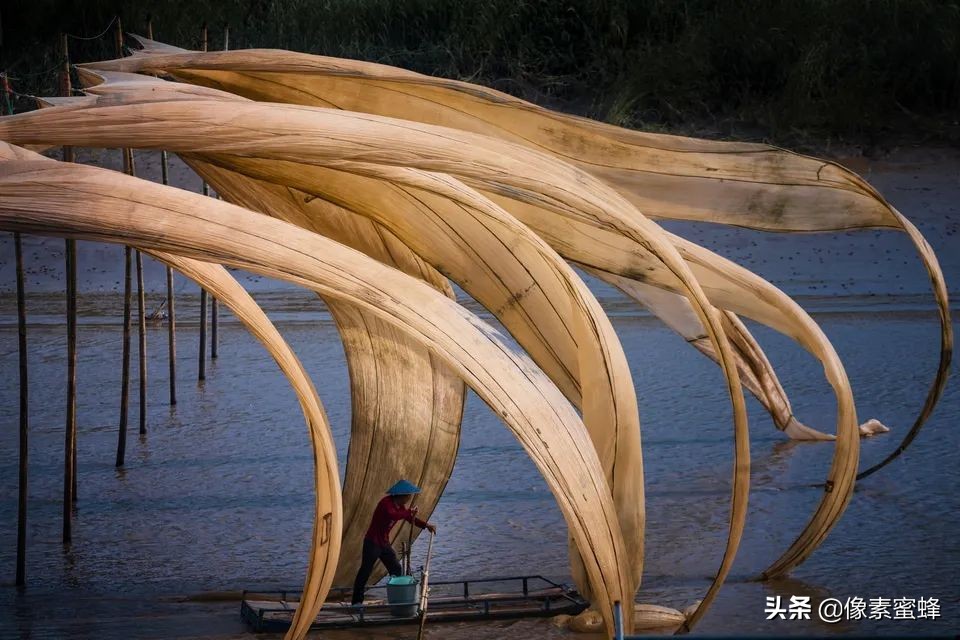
129	168
70	443
172	336
142	329
171	307
425	589
202	363
70	257
214	321
214	303
125	372
24	417
202	360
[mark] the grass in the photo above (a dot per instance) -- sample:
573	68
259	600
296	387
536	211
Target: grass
864	70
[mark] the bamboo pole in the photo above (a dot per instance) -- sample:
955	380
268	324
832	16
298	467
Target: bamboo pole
214	322
70	258
171	303
130	169
71	426
21	577
202	351
142	351
202	364
201	356
172	336
214	304
70	433
425	589
24	418
125	371
70	438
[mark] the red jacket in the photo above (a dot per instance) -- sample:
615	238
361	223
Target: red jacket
385	516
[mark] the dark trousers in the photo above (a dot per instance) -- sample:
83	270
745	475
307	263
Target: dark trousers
371	553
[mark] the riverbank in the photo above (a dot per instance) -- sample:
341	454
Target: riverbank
858	71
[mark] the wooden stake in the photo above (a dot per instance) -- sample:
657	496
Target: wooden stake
128	168
142	329
24	418
202	357
118	38
125	371
66	87
70	428
171	308
214	310
202	364
214	303
425	589
214	321
172	337
70	432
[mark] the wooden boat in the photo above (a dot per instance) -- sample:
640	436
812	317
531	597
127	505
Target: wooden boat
449	601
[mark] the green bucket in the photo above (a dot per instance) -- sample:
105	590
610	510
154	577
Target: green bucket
403	594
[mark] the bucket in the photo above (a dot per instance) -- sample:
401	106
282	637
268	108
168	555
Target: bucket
404	593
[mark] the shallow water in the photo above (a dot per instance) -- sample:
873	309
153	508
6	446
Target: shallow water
216	497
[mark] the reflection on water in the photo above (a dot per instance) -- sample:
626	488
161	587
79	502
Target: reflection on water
216	497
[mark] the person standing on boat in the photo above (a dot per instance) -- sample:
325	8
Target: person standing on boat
376	544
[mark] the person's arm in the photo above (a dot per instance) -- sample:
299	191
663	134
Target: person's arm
410	515
402	513
421	523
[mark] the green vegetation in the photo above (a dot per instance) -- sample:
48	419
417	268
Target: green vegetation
855	69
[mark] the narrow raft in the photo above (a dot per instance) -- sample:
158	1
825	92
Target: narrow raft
450	601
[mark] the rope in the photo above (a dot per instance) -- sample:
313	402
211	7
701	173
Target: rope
59	65
10	91
99	35
6	77
21	76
